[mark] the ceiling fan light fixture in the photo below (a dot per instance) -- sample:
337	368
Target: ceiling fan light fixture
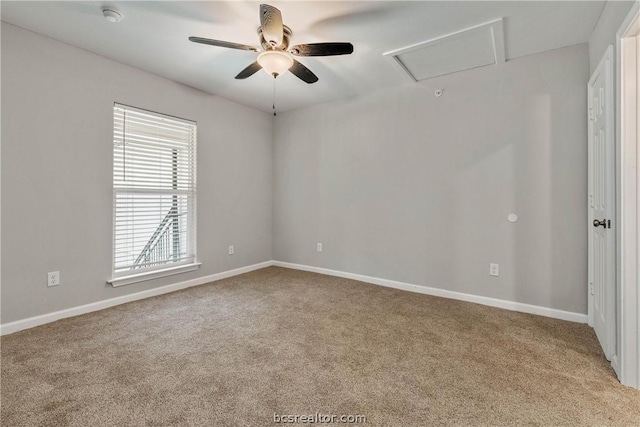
275	62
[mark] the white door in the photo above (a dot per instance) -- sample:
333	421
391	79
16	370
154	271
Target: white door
601	205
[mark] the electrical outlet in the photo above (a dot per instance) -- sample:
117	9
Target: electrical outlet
231	250
494	269
319	247
53	278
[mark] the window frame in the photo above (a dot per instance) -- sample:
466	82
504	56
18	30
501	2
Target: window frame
129	276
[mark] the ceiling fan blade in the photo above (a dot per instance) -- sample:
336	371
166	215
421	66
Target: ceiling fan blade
249	71
322	49
271	23
221	43
303	73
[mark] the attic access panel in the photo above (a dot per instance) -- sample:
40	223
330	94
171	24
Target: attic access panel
469	48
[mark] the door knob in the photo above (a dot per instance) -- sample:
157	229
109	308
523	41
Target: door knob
605	223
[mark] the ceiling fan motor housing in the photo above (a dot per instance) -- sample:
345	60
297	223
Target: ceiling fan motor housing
286	36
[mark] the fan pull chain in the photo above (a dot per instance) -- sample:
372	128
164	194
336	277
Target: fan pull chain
274	95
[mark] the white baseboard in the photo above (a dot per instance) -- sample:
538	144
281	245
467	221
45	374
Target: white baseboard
492	302
18	325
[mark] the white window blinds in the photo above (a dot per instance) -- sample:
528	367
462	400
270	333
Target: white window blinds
154	191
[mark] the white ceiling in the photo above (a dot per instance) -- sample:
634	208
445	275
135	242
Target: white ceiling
153	37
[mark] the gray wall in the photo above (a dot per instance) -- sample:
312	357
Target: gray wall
405	186
57	121
397	184
604	33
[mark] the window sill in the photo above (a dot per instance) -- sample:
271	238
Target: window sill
135	278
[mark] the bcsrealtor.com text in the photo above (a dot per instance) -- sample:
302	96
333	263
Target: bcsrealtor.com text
318	418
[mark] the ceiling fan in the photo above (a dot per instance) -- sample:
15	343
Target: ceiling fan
275	56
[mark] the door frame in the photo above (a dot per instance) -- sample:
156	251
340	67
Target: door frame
604	69
627	198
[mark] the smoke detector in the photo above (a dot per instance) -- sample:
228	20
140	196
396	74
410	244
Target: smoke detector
111	15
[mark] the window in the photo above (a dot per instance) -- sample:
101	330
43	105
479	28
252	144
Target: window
154	195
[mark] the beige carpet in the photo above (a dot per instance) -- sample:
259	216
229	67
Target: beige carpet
236	351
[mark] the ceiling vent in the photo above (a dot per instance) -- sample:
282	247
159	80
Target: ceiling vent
469	48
